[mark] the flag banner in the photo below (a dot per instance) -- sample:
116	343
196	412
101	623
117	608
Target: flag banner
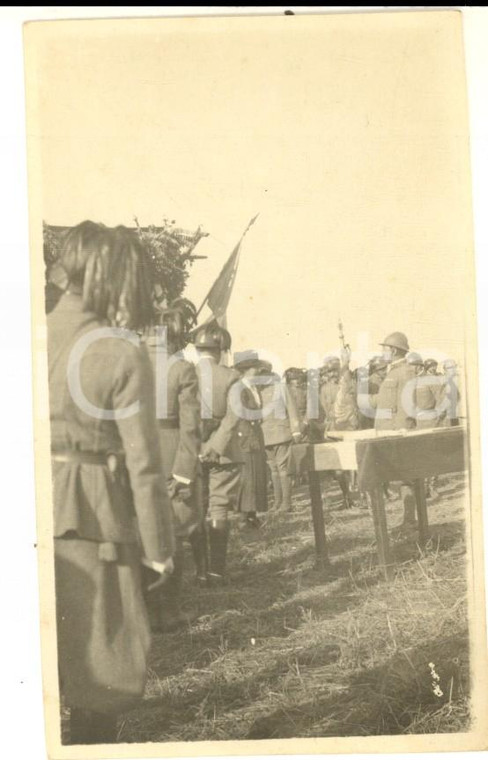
219	295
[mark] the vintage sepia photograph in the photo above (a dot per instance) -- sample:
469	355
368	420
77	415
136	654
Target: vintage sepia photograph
255	385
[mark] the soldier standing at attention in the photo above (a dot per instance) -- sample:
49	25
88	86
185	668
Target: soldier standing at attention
429	397
221	454
327	401
280	428
178	413
391	413
328	392
371	378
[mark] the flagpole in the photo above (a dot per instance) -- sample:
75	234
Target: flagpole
238	244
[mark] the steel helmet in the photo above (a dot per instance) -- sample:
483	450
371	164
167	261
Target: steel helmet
396	340
225	339
428	363
415	359
207	336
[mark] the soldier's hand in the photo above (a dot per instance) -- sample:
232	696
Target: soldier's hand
158	572
210	457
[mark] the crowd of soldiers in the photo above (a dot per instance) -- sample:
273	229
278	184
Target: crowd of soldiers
151	450
230	431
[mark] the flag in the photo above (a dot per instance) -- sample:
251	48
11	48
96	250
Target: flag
219	295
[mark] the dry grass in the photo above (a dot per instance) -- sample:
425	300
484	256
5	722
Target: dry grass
286	652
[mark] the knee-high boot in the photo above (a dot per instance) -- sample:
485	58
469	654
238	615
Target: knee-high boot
198	542
218	533
171	617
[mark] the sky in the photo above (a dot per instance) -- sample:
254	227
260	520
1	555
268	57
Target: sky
347	134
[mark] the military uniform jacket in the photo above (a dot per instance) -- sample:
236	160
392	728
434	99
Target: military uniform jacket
327	398
178	411
429	397
345	409
284	420
90	499
391	411
219	420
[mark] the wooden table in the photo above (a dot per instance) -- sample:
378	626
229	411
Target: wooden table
379	457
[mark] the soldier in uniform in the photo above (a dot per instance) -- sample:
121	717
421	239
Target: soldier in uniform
430	366
428	396
391	411
221	453
372	377
280	428
294	380
328	393
178	412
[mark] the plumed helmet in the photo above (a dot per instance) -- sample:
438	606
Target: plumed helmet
414	359
396	340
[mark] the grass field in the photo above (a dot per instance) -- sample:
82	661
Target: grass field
285	651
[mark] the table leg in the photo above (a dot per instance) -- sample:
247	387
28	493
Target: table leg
422	516
318	520
381	531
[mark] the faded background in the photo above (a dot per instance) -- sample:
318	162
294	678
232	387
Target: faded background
348	136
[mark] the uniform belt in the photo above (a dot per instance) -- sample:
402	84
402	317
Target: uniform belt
169	424
85	457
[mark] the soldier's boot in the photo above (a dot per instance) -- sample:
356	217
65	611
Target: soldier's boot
409	507
277	491
286	491
171	617
218	535
198	542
